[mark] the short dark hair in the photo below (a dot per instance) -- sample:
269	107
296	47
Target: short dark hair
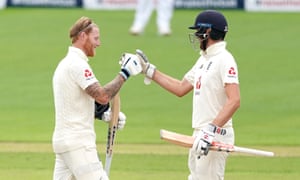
217	35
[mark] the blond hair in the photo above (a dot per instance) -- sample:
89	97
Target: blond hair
83	24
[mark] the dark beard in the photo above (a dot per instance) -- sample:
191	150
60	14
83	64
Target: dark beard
203	45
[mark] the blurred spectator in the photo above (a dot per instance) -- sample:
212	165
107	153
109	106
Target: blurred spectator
144	9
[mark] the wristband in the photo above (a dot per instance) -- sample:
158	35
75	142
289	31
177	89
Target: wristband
211	127
124	73
150	71
215	129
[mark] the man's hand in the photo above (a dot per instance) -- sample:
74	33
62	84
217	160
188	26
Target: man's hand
100	109
148	69
121	120
130	65
204	139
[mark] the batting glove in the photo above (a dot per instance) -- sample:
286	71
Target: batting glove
204	140
148	69
121	120
100	109
130	65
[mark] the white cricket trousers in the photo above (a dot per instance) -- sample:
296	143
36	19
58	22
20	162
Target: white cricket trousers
144	10
212	166
79	164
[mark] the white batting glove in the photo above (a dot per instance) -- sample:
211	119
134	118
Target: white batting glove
148	68
204	139
130	65
121	120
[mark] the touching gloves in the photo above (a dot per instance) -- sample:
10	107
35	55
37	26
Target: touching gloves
147	68
130	65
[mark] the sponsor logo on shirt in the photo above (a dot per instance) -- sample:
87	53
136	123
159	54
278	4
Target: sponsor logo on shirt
198	86
88	74
198	83
231	72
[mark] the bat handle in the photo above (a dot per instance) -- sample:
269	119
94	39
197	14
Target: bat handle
108	161
254	151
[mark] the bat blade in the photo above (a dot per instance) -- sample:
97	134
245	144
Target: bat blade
187	141
112	129
176	138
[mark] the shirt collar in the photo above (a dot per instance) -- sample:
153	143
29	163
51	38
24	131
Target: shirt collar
214	49
79	52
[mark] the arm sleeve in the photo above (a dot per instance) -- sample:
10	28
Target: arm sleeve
190	75
229	71
83	75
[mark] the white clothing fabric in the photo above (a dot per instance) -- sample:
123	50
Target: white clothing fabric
74	138
215	67
144	9
79	164
74	108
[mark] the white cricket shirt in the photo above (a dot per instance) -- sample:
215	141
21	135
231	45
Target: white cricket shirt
74	108
215	67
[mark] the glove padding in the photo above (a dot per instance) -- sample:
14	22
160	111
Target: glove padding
121	120
204	139
147	68
130	65
103	112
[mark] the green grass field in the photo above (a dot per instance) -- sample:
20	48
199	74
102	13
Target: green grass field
265	46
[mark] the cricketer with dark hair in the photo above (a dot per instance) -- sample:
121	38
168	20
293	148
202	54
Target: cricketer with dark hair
213	79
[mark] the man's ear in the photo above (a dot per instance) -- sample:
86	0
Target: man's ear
208	30
82	35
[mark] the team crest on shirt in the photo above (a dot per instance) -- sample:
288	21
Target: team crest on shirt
209	65
88	74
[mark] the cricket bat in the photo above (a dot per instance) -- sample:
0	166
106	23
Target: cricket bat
112	129
187	141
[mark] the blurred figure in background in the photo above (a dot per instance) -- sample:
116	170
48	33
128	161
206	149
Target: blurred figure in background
144	9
